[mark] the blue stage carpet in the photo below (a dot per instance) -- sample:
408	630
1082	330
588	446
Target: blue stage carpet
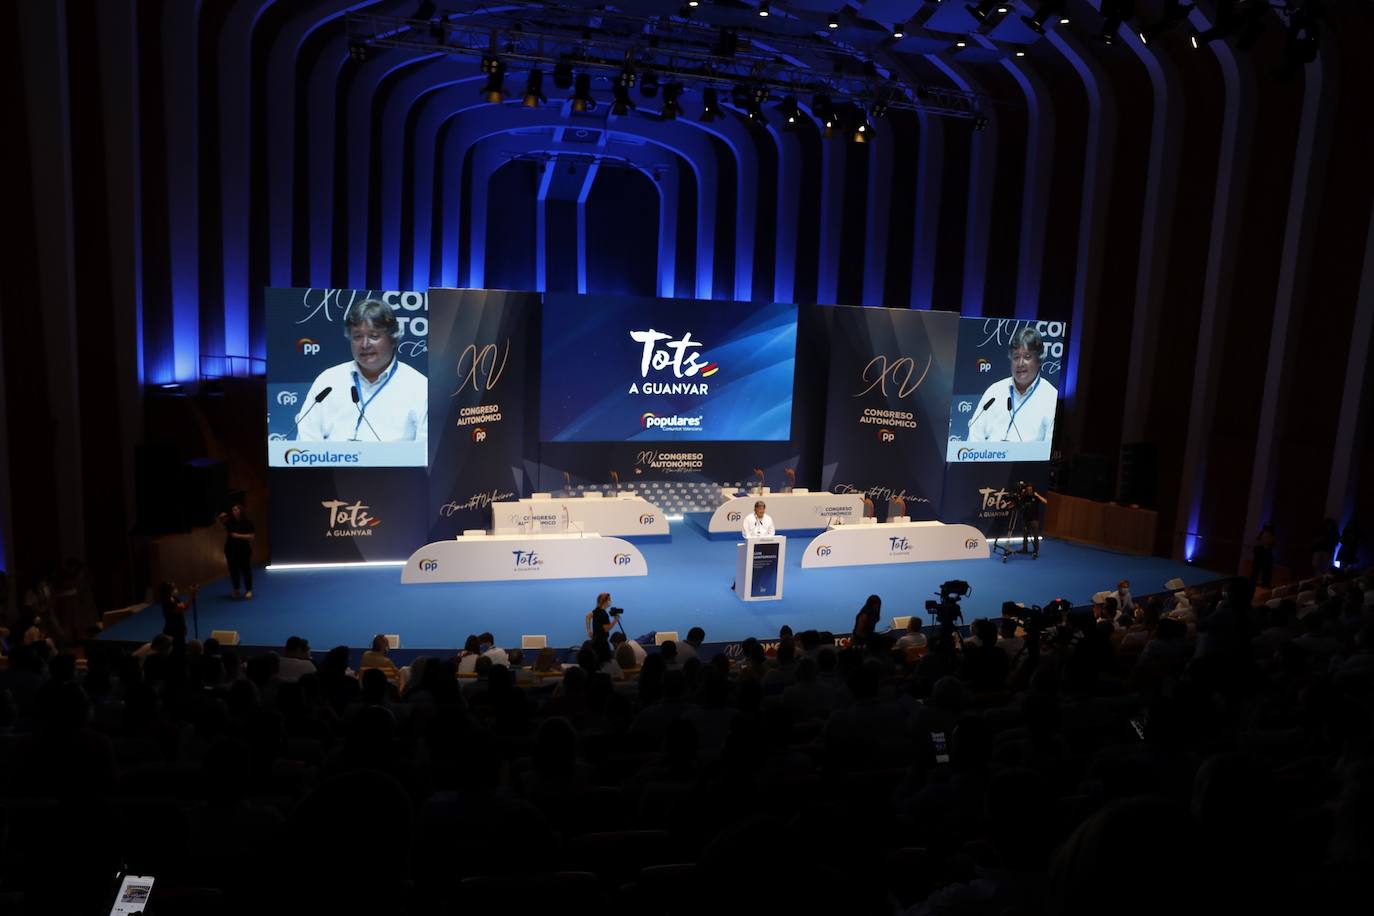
688	585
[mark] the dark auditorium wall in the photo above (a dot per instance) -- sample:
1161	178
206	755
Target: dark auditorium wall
1203	224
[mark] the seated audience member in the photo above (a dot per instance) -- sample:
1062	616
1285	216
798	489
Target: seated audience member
546	662
492	651
1281	628
1007	640
985	666
295	660
669	653
806	697
1123	597
520	674
914	637
783	669
472	650
161	644
619	639
626	659
376	657
1314	638
690	646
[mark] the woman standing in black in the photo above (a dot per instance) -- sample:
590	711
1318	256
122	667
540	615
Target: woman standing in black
238	548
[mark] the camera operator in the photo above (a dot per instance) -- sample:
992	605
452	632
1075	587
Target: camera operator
599	622
1030	502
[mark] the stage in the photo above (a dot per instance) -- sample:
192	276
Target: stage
688	585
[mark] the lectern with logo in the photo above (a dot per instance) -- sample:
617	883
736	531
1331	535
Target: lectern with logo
758	568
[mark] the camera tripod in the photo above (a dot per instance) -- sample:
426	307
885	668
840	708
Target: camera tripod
1015	520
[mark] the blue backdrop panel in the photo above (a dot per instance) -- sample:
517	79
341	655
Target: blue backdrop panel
891	372
484	371
305	335
344	515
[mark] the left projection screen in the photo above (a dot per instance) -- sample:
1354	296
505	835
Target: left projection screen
346	378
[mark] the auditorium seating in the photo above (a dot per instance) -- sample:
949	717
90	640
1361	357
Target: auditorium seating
847	778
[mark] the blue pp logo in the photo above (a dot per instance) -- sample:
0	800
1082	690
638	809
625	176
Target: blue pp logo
621	559
428	565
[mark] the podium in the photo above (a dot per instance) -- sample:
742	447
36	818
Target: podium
758	568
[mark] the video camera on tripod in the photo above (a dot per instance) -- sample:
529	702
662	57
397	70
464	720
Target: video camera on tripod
946	611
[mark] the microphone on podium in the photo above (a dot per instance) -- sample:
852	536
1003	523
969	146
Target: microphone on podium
324	393
354	392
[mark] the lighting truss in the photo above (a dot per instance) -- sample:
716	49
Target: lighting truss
606	43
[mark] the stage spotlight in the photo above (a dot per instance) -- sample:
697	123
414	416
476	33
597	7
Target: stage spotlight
648	84
1174	12
1043	13
1020	53
898	31
763	9
582	93
753	104
621	103
833	22
961	43
982	10
862	127
694	3
358	51
710	106
563	75
791	112
495	89
671	108
534	89
980	122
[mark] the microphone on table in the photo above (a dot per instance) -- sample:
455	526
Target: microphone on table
354	391
324	393
567	522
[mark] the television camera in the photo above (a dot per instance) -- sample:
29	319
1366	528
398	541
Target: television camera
946	610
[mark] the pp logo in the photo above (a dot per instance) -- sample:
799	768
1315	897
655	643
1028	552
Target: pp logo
646	519
428	565
971	544
307	347
287	398
966	407
621	559
733	516
823	550
886	435
984	365
479	434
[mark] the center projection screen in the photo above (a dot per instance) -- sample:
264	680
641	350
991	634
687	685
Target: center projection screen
660	370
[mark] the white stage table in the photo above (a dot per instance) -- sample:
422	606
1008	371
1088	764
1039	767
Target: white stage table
895	542
792	512
481	557
626	515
